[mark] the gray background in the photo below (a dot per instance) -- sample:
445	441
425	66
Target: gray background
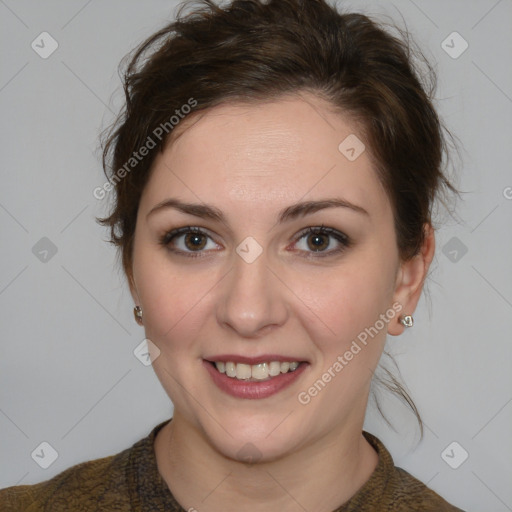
69	376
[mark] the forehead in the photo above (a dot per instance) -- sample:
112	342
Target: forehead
267	154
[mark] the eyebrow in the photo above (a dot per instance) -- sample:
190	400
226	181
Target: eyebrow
289	213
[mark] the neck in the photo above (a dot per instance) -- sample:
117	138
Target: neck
320	476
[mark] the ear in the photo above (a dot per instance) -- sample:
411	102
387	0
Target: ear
410	279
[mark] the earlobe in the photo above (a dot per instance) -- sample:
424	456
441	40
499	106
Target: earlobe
137	313
410	280
137	310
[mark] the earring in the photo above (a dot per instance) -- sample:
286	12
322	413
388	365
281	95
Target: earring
137	313
407	320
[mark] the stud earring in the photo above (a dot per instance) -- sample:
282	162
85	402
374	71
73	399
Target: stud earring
137	313
407	320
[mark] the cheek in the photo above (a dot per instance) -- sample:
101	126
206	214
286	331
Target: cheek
171	309
170	295
348	304
174	315
353	311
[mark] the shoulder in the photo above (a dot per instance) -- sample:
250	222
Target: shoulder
413	495
394	489
98	484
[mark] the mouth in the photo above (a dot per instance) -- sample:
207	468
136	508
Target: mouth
254	378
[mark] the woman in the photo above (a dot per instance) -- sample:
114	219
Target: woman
275	170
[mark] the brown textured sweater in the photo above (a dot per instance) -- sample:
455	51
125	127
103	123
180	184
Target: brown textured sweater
130	481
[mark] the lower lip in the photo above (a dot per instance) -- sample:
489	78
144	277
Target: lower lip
253	390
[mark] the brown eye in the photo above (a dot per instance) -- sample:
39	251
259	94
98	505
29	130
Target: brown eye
189	241
322	241
195	241
318	242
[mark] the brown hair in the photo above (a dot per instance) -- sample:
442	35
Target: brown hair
256	50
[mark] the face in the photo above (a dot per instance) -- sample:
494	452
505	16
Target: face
258	241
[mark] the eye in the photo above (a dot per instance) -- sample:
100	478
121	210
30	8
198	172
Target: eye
322	241
188	240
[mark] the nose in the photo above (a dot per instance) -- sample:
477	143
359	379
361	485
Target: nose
253	300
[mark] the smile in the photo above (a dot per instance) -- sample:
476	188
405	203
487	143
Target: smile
254	381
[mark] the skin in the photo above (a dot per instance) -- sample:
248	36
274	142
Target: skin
250	162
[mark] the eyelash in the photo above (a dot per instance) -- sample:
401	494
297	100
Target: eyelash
344	241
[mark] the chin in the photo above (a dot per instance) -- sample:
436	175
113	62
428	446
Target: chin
255	451
253	439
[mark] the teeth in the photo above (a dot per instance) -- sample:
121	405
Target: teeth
243	371
274	368
230	369
259	371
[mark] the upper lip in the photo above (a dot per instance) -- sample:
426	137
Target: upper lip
265	358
